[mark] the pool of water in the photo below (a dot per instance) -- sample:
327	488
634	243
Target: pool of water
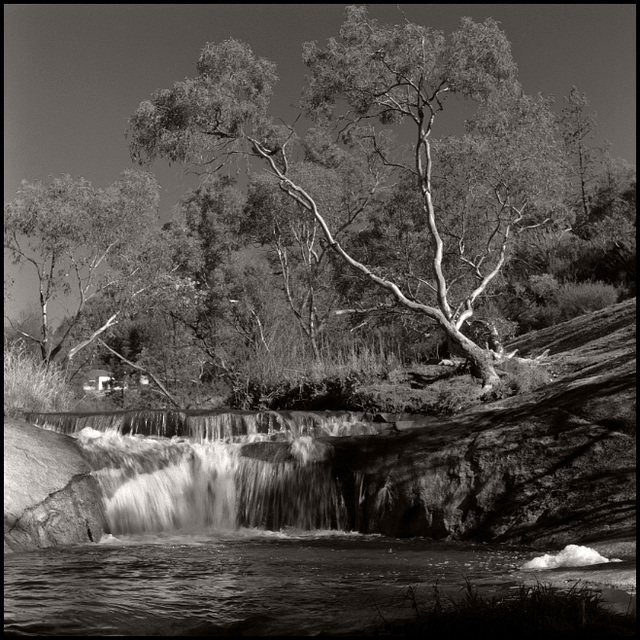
246	582
209	541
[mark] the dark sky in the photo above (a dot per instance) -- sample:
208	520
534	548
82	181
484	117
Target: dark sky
74	74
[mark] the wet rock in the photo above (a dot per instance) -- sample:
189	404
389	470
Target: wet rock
548	468
546	479
50	497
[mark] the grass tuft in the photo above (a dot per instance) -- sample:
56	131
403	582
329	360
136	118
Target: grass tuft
30	385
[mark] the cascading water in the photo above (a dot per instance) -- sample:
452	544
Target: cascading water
200	478
154	485
211	426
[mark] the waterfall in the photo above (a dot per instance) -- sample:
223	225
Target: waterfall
159	485
164	471
211	425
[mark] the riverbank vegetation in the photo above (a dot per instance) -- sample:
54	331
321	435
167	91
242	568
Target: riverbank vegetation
31	385
540	611
319	265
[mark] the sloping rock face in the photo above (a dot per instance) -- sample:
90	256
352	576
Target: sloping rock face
534	475
550	468
50	497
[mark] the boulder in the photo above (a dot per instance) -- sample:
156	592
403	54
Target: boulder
50	496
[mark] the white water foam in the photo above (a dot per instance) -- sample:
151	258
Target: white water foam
572	555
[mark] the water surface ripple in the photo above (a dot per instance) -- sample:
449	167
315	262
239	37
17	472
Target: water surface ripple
249	583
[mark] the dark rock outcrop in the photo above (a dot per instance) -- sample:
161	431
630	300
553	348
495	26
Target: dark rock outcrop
536	475
50	497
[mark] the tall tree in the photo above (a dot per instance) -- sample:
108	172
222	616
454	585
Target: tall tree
371	79
212	215
578	127
82	242
227	307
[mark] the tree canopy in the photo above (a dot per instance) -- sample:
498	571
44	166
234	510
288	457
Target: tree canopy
471	193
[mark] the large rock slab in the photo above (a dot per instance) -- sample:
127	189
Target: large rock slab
535	475
50	497
549	468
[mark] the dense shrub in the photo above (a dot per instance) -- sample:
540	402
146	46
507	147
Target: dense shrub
574	300
320	395
547	302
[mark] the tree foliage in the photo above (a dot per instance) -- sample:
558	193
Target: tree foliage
371	78
82	242
211	111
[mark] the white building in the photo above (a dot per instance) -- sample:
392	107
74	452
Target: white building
98	380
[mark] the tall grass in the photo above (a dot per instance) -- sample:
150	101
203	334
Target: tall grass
29	385
290	359
374	359
288	371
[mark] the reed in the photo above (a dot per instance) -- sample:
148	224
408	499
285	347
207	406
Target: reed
291	360
539	611
270	378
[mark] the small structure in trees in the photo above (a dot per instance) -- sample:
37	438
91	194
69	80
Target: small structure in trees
98	380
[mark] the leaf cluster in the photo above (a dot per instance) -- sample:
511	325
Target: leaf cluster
393	72
188	122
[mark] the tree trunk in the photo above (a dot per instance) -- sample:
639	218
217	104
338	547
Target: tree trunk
313	333
482	363
482	366
315	348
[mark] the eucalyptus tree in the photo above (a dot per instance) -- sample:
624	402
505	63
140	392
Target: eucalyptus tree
81	243
151	335
370	80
